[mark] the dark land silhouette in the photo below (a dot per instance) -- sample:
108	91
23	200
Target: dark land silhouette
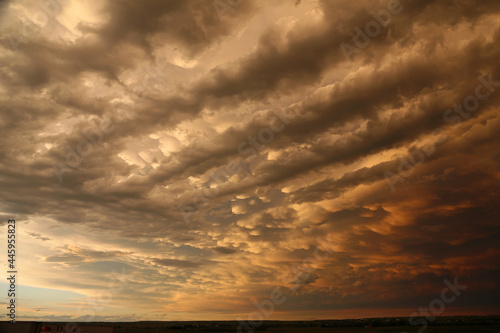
469	324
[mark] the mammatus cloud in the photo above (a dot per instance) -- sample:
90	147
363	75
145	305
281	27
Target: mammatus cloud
208	155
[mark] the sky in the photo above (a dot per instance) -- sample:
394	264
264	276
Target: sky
239	159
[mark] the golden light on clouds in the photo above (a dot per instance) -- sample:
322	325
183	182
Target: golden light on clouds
177	160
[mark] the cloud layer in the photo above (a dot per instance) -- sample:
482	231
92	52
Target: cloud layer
205	152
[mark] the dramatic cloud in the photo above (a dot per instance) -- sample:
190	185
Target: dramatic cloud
188	157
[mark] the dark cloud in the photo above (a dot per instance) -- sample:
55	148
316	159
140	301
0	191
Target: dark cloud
65	258
224	250
176	263
155	135
38	236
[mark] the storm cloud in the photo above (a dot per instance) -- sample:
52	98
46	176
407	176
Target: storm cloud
200	155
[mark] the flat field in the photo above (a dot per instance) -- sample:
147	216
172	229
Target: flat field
398	329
